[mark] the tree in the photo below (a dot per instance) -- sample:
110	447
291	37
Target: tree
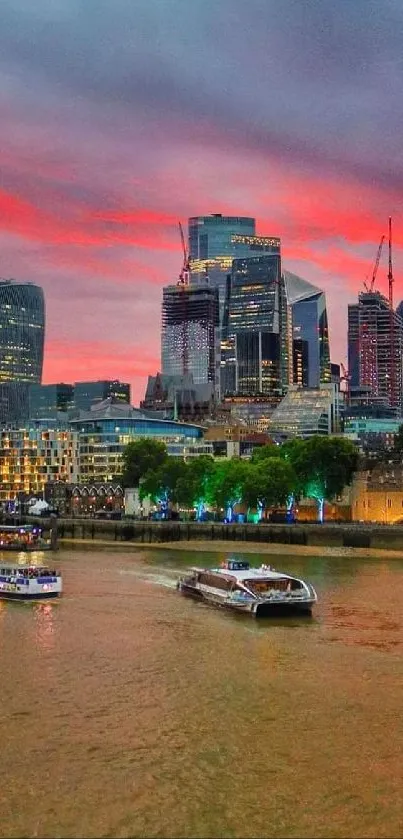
261	453
192	487
140	457
323	467
268	483
162	483
226	484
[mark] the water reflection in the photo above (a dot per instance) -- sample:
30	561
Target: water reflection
145	713
44	626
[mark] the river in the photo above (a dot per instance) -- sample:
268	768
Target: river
131	711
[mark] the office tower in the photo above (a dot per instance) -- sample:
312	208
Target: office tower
88	394
255	348
375	341
310	332
46	401
211	249
22	331
215	241
189	331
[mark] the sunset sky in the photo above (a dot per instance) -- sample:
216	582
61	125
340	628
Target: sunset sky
120	117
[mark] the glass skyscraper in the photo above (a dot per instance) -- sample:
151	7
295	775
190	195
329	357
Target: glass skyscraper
190	319
310	332
212	249
22	331
255	348
275	330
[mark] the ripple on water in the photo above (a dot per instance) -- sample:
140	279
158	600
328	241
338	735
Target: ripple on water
133	711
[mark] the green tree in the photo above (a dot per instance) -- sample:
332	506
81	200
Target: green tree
261	453
192	486
226	484
162	483
140	457
268	483
323	467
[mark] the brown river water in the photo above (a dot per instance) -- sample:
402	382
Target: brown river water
128	710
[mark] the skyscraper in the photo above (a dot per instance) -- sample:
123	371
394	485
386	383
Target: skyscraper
255	348
275	330
375	343
211	249
22	331
309	331
190	321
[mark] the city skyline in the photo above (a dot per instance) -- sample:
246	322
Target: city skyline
127	126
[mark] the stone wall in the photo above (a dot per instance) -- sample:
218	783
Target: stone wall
332	535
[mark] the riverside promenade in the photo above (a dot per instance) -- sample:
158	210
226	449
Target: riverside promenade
214	535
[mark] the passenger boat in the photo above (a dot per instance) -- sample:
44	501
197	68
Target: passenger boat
24	537
259	591
28	582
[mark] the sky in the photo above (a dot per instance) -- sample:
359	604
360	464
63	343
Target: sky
118	118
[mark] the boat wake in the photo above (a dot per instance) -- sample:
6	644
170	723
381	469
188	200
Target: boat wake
158	578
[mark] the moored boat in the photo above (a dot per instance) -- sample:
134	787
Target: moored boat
28	582
258	591
23	537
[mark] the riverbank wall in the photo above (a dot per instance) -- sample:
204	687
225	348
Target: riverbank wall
153	533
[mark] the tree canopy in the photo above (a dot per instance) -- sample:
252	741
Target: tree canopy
269	483
140	457
323	465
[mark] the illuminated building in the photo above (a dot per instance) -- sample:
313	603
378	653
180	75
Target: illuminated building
255	347
374	360
30	457
87	394
211	249
216	240
311	355
189	332
104	432
307	411
22	331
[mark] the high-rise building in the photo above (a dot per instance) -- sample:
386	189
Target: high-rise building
216	240
22	332
88	394
46	401
275	330
309	331
255	347
211	249
190	321
375	343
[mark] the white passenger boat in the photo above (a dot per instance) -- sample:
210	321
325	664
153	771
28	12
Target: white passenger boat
28	582
259	591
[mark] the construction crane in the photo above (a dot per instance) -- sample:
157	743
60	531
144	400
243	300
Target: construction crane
185	270
370	287
345	377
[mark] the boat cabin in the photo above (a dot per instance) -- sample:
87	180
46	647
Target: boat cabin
20	536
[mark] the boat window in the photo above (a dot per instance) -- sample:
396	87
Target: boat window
263	586
215	581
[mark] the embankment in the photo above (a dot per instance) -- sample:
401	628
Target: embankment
369	537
